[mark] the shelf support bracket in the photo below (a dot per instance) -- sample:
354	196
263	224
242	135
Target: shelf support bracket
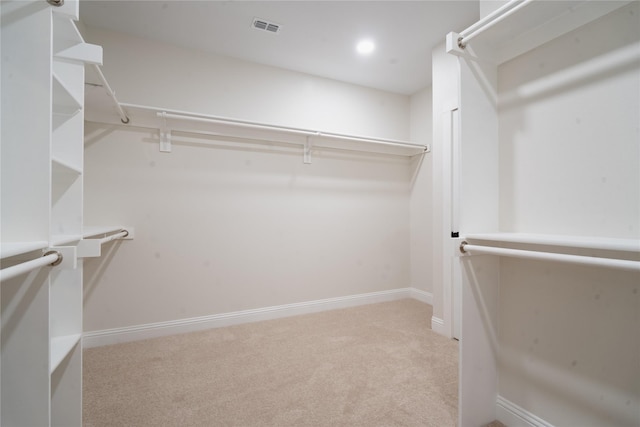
91	248
307	150
454	45
165	134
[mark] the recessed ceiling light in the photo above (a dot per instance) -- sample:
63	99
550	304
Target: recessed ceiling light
365	47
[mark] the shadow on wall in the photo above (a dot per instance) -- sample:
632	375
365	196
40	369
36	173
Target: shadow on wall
568	132
570	333
95	268
220	228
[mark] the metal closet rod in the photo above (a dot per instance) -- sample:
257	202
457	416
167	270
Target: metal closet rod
623	264
50	258
297	131
490	20
123	116
120	235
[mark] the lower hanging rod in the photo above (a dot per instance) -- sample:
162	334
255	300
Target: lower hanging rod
50	258
623	264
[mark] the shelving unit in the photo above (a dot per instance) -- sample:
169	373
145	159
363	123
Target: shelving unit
42	209
510	306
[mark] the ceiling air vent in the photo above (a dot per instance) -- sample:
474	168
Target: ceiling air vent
262	24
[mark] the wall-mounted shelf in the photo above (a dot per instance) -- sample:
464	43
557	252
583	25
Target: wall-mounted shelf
168	121
522	25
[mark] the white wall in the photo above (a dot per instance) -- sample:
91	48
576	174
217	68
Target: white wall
421	193
570	164
569	133
225	226
489	6
157	74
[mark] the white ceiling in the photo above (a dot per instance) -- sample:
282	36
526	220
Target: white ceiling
316	37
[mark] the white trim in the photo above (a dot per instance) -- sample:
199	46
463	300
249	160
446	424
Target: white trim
437	326
159	329
420	295
513	415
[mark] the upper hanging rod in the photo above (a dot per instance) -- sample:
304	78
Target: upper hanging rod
623	264
490	20
50	258
123	116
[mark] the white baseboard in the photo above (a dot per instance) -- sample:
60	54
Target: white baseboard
437	325
420	295
154	330
512	415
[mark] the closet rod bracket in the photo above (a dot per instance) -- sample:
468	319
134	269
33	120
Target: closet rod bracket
165	134
91	248
307	149
455	44
67	257
57	261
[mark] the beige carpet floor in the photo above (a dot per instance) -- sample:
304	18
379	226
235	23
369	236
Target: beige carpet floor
373	365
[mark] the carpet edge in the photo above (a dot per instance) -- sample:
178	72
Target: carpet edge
159	329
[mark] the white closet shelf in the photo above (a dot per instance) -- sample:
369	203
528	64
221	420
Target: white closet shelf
61	347
66	33
82	52
64	102
579	242
532	24
62	166
187	122
9	249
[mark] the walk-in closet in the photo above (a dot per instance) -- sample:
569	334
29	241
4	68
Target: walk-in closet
228	213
